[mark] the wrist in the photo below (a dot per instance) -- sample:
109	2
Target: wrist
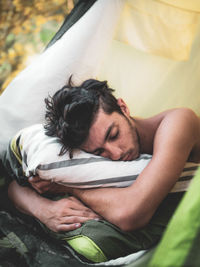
41	207
77	192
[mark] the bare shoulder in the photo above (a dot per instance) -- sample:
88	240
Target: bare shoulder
177	116
175	113
181	112
177	125
181	117
178	128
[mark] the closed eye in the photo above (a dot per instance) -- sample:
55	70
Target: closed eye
114	136
99	151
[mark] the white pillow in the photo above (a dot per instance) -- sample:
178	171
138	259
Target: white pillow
40	156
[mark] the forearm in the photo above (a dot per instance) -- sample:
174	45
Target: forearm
27	200
116	205
133	207
66	214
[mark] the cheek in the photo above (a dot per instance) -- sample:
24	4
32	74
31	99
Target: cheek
130	139
124	141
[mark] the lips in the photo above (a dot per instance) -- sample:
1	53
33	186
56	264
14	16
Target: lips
130	156
135	155
127	157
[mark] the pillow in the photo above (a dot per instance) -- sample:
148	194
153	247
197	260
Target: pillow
38	155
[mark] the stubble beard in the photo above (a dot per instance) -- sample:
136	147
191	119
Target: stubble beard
135	135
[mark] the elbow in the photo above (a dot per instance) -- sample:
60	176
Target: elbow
132	221
130	225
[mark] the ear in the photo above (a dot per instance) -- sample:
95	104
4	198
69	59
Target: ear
124	108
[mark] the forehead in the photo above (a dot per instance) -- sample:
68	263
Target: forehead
99	129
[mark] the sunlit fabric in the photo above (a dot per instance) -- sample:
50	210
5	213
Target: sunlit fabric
157	28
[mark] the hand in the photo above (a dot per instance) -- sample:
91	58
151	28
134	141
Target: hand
66	214
43	186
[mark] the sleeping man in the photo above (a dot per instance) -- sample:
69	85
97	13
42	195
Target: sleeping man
90	118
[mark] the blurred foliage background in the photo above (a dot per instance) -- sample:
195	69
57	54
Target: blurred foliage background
25	29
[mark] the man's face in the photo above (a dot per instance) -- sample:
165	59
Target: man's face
113	136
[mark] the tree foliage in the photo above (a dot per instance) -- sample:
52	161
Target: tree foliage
25	28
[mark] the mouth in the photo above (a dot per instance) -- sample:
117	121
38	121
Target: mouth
127	156
131	155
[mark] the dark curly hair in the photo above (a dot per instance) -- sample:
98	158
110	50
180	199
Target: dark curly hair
72	109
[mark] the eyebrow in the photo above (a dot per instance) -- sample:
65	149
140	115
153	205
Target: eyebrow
106	136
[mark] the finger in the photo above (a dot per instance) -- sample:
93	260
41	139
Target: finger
78	208
72	198
75	219
90	214
41	185
74	203
34	179
68	227
86	212
78	202
41	188
80	213
83	210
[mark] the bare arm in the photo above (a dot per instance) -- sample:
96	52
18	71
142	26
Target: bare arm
132	208
62	215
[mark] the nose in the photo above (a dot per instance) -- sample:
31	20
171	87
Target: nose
113	152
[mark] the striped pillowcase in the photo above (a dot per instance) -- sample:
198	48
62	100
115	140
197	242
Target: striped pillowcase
40	157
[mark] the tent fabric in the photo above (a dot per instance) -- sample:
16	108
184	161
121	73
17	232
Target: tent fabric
156	28
19	246
193	5
77	12
180	244
149	82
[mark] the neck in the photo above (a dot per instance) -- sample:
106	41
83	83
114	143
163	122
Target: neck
145	133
